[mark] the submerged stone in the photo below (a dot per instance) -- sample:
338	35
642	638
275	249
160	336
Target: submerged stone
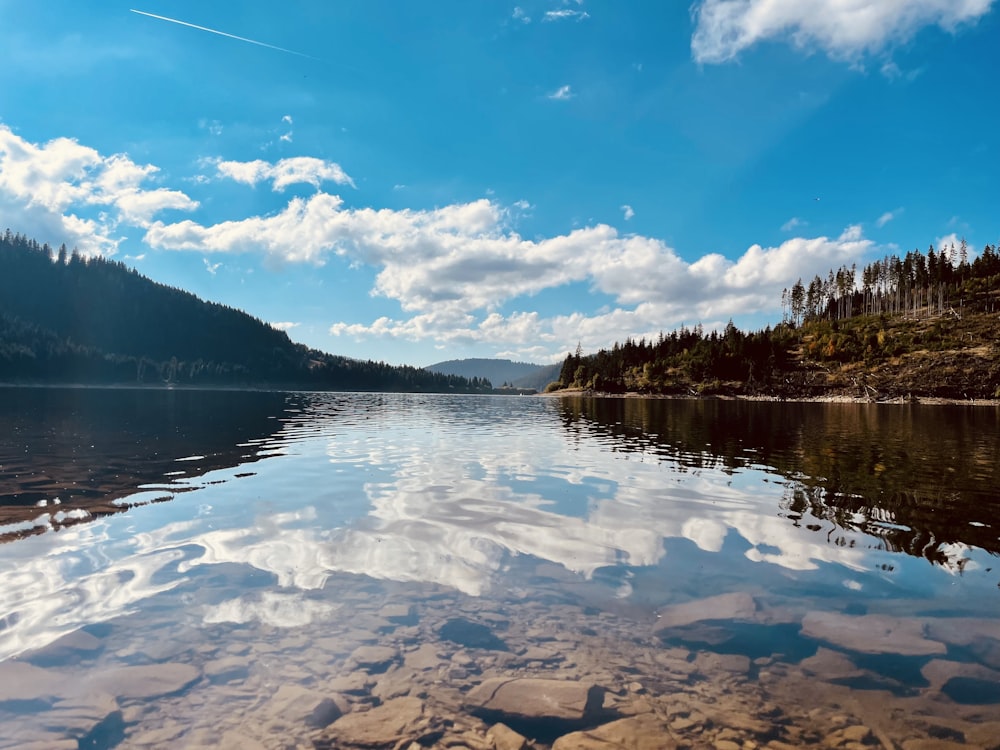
830	665
643	732
530	698
388	725
399	614
294	704
734	606
471	635
871	634
227	668
424	657
505	738
375	659
939	672
148	681
26	682
71	648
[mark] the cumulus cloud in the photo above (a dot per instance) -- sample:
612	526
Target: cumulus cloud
452	268
295	170
284	326
844	30
50	188
628	212
562	93
793	223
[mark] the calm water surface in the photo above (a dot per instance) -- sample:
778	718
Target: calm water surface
207	568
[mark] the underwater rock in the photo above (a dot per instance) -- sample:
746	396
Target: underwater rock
148	681
71	648
374	659
530	698
294	705
734	606
227	668
471	635
25	682
643	732
871	634
505	738
830	665
387	725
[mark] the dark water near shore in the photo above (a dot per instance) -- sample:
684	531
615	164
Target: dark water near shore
813	567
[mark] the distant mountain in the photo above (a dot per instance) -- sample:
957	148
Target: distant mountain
500	371
69	319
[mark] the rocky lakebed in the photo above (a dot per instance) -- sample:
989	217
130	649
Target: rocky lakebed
379	668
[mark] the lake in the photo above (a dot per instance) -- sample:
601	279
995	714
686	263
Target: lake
251	569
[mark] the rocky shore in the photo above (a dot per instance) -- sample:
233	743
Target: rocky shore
377	669
839	397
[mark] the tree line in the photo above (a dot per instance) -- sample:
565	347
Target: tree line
896	305
918	284
676	362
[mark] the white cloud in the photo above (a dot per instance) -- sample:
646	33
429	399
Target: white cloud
286	137
562	93
521	15
887	217
292	171
452	268
285	326
566	14
628	212
948	242
843	29
49	188
793	223
893	72
212	268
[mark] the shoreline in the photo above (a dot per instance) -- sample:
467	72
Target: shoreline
839	398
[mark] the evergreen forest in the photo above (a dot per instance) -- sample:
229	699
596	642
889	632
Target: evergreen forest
65	318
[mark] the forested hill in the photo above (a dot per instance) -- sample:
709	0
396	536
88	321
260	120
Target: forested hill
67	319
924	325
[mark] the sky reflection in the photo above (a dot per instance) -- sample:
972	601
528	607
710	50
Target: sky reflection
434	492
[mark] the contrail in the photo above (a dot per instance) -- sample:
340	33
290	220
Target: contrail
223	33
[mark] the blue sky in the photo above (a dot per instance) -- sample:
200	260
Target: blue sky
418	182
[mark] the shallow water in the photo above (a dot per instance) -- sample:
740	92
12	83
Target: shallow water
211	568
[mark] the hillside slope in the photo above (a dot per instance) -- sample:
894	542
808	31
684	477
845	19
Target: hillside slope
66	319
921	325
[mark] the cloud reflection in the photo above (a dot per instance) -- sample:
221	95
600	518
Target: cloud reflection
444	506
